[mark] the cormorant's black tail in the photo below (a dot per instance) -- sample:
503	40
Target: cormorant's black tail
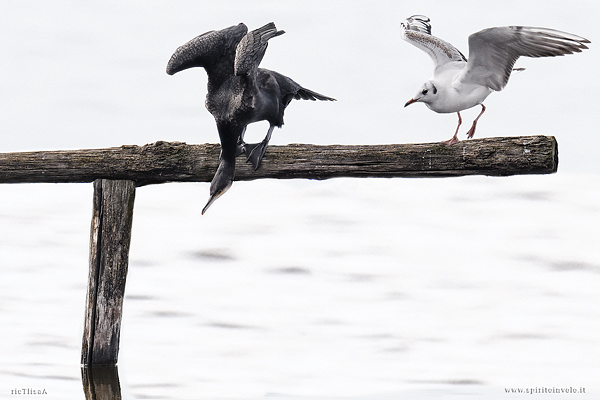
307	94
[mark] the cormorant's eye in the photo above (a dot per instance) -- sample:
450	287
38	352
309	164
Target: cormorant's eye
424	91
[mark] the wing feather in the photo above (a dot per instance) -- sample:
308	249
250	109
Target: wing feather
494	51
213	50
251	49
417	31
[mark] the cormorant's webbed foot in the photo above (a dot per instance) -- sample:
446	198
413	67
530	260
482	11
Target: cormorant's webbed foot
240	148
255	153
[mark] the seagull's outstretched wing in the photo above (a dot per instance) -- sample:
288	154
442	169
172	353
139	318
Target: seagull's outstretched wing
494	51
417	31
252	47
214	50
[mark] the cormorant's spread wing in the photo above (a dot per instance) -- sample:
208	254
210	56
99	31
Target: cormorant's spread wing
214	50
494	51
251	49
416	30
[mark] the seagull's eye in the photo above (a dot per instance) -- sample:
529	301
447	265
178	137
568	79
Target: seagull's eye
424	91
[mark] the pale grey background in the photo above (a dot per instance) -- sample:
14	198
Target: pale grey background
383	288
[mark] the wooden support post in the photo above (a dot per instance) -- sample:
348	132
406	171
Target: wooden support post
101	383
109	256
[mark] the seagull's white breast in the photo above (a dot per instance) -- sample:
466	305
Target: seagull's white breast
454	95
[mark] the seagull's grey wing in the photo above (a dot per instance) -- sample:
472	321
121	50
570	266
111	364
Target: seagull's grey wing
214	50
417	31
494	51
252	47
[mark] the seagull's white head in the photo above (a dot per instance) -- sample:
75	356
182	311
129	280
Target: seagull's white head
427	94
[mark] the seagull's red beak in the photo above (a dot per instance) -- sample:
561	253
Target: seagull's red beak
408	103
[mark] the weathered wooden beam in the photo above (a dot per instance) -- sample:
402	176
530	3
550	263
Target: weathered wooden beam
165	161
109	257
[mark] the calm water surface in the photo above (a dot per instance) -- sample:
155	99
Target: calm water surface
339	288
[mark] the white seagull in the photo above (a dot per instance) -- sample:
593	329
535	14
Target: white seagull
458	84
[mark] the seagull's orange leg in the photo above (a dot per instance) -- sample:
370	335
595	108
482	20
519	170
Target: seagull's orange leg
472	130
454	138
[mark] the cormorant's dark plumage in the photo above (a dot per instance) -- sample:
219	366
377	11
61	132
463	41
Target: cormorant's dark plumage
239	92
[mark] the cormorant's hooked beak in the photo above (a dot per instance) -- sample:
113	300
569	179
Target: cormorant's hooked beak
408	103
215	196
211	200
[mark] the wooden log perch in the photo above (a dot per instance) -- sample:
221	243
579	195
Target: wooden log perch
175	161
109	257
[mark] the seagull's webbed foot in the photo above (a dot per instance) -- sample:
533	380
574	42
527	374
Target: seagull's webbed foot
471	131
451	141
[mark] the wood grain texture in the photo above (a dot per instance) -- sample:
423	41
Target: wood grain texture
109	257
175	161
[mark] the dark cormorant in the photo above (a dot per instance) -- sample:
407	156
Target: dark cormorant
239	92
